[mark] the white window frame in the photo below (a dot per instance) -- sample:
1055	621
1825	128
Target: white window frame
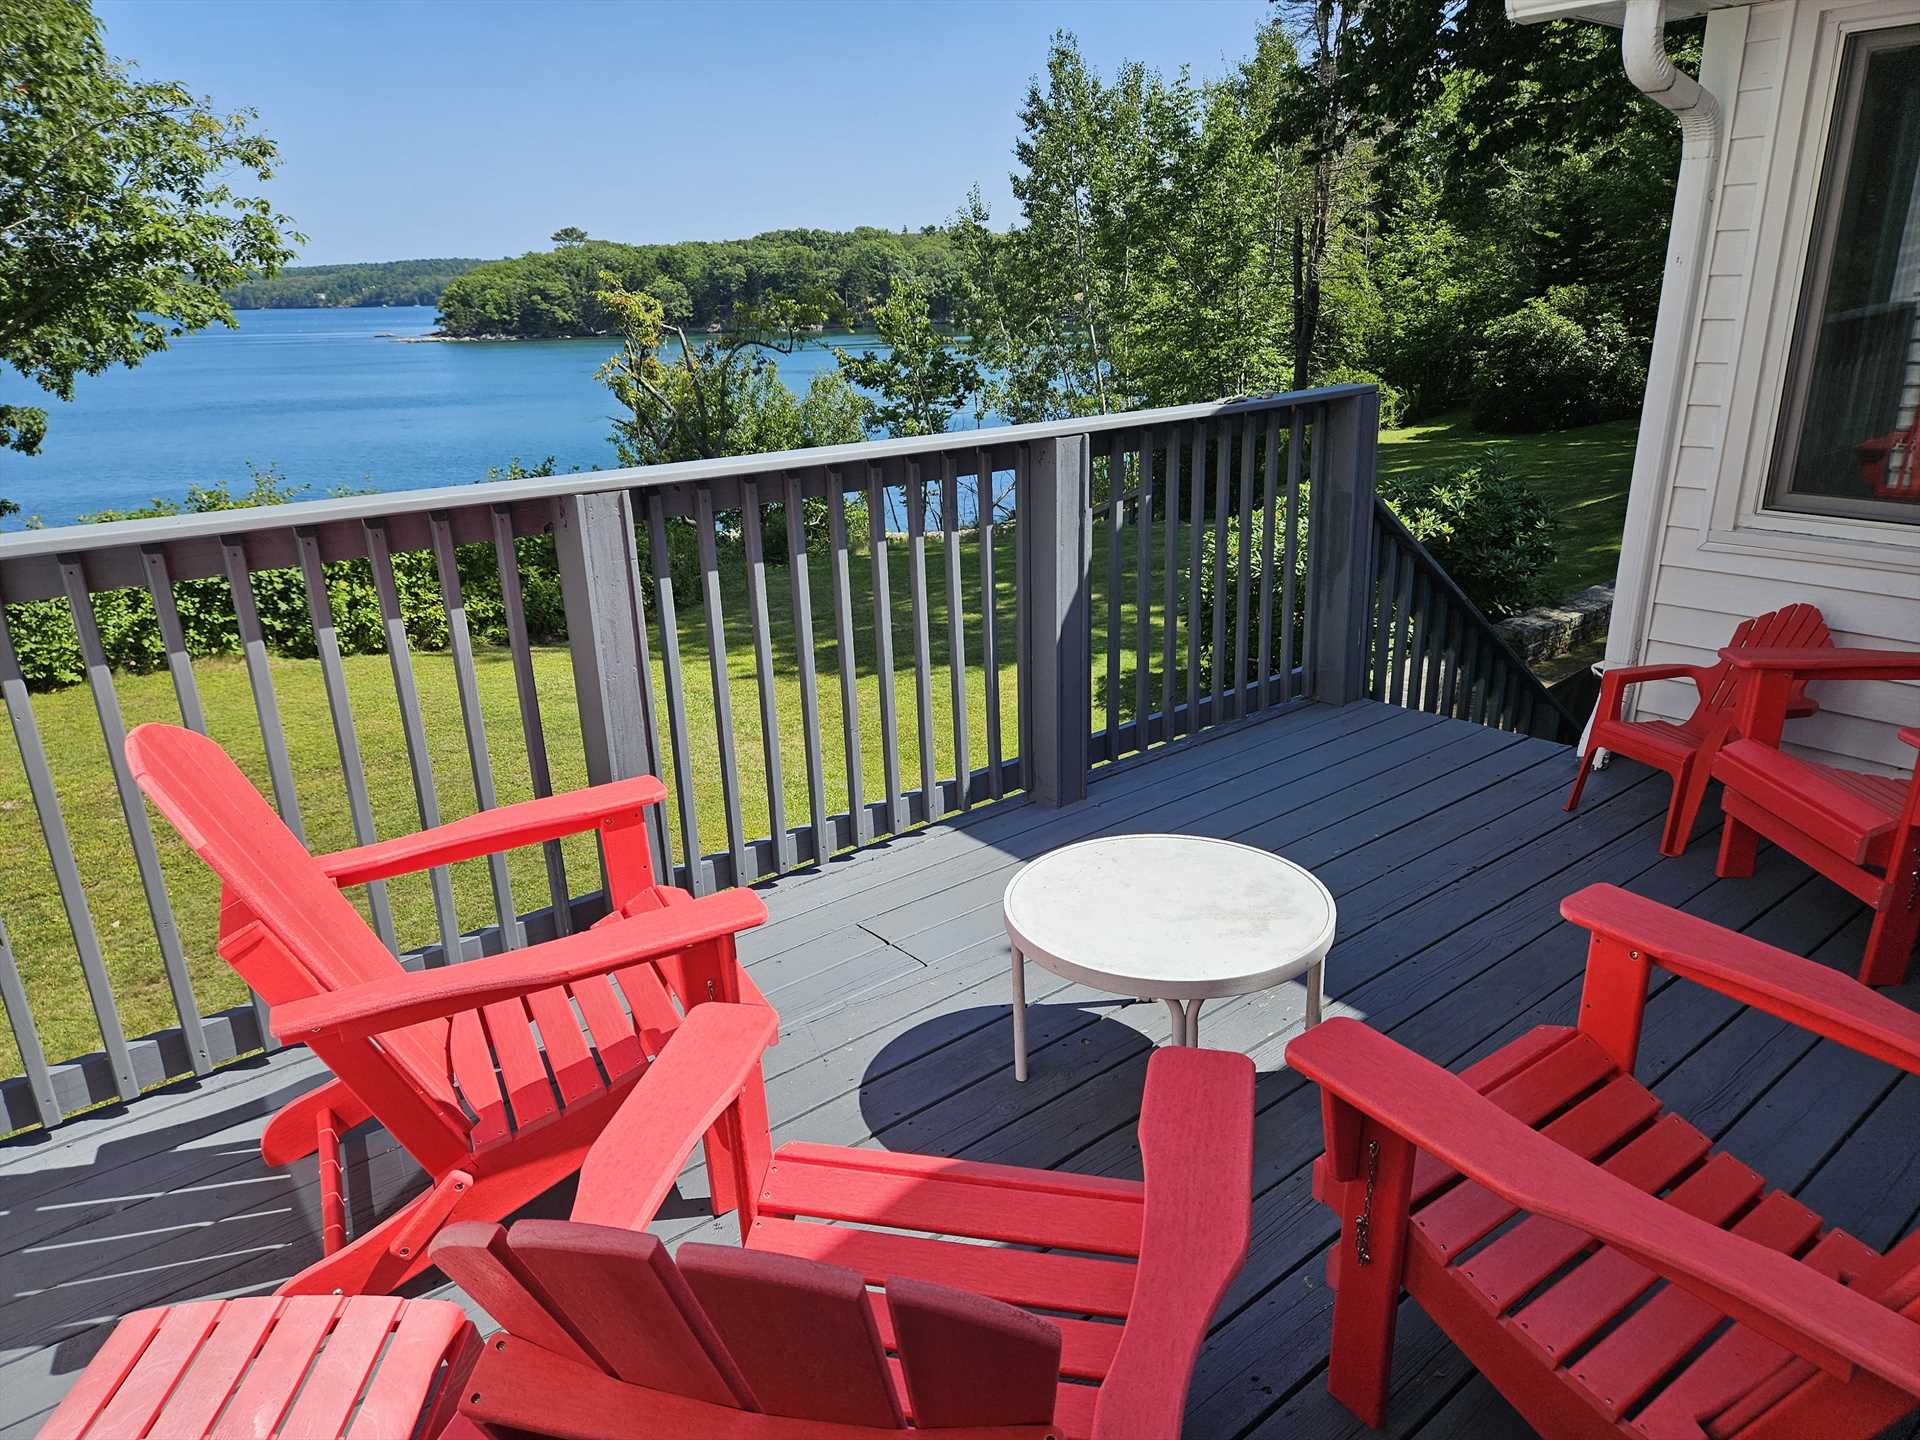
1805	99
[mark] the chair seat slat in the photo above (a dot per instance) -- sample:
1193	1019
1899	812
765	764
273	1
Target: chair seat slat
1048	1282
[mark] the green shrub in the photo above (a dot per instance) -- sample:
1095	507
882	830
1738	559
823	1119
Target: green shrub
1487	527
1555	363
1392	402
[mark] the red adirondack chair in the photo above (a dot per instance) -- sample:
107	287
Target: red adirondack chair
783	1340
1860	831
418	1050
1673	746
362	1367
1566	1311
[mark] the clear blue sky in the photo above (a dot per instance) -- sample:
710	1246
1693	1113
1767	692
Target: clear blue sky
417	129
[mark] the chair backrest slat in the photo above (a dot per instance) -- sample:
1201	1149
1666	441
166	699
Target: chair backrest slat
970	1360
268	873
621	1292
800	1332
1792	625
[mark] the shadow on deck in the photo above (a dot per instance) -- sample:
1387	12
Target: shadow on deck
1448	852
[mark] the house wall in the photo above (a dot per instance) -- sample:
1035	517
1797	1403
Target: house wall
1714	553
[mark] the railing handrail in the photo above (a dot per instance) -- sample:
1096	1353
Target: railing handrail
167	529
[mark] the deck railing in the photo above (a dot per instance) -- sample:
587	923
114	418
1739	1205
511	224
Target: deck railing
1099	587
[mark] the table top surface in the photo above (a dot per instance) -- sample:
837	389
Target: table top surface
1169	916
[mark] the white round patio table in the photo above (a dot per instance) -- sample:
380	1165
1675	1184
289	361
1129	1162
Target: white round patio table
1177	918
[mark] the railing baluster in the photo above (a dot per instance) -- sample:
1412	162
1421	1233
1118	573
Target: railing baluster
333	677
1430	636
173	637
146	859
66	874
1456	644
849	662
253	647
751	531
1402	634
266	708
1290	553
1222	463
922	673
1270	473
506	554
1170	582
1388	575
1116	522
1022	662
419	760
989	639
809	679
674	681
956	630
467	685
26	1036
1143	595
703	523
883	648
1242	564
1196	528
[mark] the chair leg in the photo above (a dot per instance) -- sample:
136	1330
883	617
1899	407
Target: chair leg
1739	845
1896	926
1580	778
1369	1264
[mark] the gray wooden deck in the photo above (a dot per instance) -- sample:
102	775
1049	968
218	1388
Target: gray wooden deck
1448	851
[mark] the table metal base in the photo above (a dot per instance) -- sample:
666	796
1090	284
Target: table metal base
1185	1016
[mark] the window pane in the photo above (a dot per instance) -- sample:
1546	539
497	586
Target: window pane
1855	429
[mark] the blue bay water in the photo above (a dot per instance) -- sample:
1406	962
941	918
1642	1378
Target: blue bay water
331	400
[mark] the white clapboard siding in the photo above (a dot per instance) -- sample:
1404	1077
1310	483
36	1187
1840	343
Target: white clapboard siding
1700	589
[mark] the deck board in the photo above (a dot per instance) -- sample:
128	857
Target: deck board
1447	850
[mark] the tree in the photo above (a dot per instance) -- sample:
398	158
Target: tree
119	226
721	396
920	381
569	235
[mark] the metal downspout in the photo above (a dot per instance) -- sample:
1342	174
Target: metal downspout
1643	55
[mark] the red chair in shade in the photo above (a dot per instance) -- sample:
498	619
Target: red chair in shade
1860	831
1673	746
418	1050
1596	1312
360	1367
784	1340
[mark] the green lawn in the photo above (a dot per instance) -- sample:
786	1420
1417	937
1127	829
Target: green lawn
1587	467
1584	472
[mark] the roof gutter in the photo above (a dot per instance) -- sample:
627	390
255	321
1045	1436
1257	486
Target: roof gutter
1643	55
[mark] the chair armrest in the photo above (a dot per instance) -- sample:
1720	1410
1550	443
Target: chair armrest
1798	1308
1809	995
700	1073
1911	736
413	996
504	828
1614	682
1828	663
1196	1140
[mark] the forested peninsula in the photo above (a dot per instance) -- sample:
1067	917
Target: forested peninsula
387	282
843	275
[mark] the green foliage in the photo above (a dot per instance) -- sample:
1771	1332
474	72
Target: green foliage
921	380
49	651
1488	528
1555	363
1392	402
843	275
119	222
391	282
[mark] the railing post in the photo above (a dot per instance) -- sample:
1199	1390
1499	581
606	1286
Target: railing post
1340	541
600	585
1056	543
